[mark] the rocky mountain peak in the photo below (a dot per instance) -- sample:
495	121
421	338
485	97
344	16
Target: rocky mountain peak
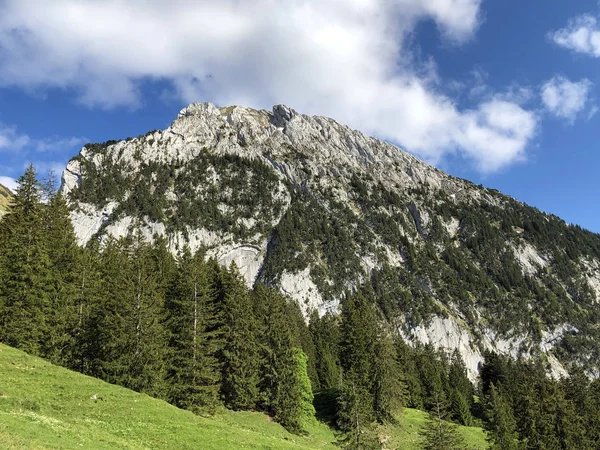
316	209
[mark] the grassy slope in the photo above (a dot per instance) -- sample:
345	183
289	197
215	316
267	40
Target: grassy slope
44	406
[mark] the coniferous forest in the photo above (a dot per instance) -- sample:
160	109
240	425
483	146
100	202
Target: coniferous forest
189	331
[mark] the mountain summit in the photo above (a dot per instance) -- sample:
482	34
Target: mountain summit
316	208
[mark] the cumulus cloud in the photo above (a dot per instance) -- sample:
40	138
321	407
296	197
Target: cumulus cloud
348	59
581	35
567	99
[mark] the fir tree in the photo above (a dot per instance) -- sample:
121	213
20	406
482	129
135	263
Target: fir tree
439	434
65	260
239	355
356	415
24	292
325	334
90	294
501	423
129	338
194	372
461	395
294	403
389	390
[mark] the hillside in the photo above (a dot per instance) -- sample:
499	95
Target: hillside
44	406
315	208
5	196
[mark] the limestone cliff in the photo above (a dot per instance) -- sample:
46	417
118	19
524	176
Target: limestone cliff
316	208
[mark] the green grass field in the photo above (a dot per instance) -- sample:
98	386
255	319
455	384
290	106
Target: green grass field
47	407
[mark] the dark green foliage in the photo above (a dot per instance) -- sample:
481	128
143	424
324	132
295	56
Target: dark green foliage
130	339
248	187
294	404
372	389
194	373
325	335
25	288
239	355
308	229
439	434
461	390
355	416
501	422
63	316
389	390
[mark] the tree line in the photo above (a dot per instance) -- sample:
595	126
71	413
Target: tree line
186	330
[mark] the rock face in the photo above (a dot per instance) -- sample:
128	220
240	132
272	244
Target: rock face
316	208
5	197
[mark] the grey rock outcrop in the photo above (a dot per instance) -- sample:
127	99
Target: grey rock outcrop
336	166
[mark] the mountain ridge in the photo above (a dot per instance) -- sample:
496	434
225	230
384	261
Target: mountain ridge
316	208
5	197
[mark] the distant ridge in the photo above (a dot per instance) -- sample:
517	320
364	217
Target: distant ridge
5	196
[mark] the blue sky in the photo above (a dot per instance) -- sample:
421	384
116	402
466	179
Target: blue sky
503	93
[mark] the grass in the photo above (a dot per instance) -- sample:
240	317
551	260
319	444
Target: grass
405	435
48	407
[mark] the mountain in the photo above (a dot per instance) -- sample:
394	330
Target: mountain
5	196
316	208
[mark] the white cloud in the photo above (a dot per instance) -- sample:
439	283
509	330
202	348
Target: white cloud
581	35
343	58
567	99
11	140
9	182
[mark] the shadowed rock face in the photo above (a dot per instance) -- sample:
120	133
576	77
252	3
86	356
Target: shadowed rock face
315	208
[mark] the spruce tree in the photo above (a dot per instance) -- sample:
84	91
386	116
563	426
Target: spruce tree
439	434
65	263
24	291
501	423
461	390
294	403
194	372
389	390
239	355
129	337
89	297
356	415
568	425
325	334
275	342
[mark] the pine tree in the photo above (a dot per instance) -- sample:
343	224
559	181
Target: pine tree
239	356
461	394
90	295
129	337
440	434
65	262
325	334
389	390
568	425
194	372
275	341
501	423
294	403
356	415
24	296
